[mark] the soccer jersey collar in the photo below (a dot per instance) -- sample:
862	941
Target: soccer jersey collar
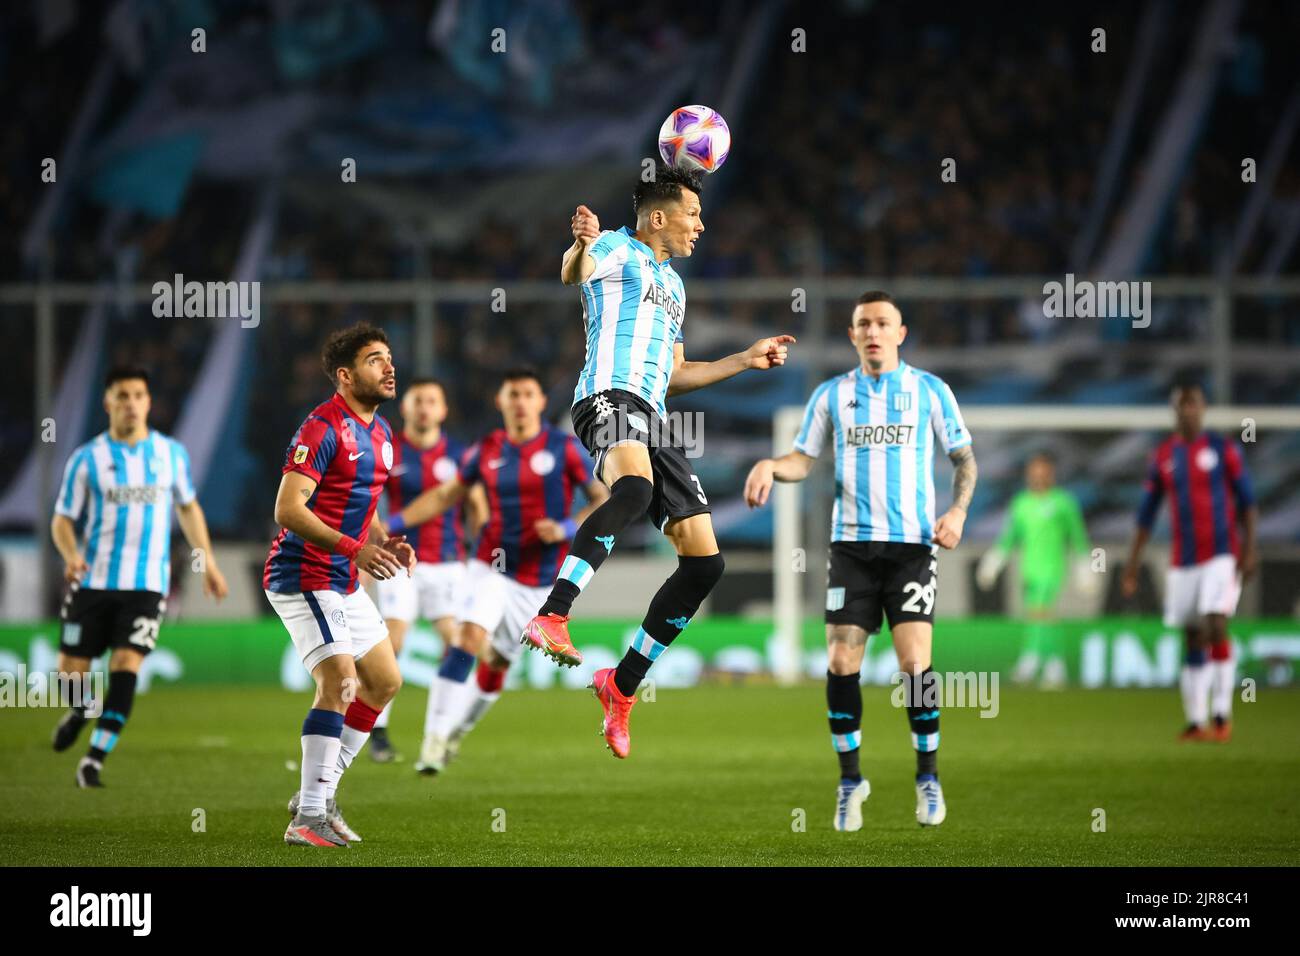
638	244
886	378
341	403
125	446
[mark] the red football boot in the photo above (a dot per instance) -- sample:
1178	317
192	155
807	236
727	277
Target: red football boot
1222	732
1193	732
616	707
549	633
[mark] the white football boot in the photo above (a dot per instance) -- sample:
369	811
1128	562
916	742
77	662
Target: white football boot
930	808
849	798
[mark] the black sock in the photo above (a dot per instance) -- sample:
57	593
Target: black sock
844	708
924	721
117	707
594	540
671	609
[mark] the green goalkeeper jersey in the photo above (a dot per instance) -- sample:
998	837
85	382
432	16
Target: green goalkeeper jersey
1047	527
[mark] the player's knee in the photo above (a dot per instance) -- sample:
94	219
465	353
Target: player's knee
701	573
631	494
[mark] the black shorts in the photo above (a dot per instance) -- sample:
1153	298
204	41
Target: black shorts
96	621
614	417
866	578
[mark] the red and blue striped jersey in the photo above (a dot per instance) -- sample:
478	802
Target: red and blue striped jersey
1206	482
416	470
349	461
525	483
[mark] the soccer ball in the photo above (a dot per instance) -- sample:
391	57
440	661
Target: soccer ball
695	138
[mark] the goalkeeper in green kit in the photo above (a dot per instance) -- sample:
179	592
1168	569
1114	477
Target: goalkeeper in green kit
1046	524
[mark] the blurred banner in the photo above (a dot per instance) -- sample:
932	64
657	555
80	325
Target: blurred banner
1103	652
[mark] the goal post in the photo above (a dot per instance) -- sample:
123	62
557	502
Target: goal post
993	421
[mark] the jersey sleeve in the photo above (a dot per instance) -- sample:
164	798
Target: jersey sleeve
1076	530
469	465
183	482
578	463
609	252
76	478
816	423
312	449
945	418
1238	476
1153	489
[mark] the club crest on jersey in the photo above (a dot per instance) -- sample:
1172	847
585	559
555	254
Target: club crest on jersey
386	453
444	469
902	401
1207	458
542	462
300	454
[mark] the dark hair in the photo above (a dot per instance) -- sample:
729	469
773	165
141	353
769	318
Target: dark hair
665	187
1186	383
342	346
425	380
522	373
1042	454
120	373
876	295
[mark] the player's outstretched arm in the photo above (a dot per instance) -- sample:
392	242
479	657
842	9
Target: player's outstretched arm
948	529
763	354
428	505
577	266
793	466
194	525
292	513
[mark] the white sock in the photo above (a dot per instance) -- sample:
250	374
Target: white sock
320	757
453	701
1222	684
478	705
1195	685
381	721
350	744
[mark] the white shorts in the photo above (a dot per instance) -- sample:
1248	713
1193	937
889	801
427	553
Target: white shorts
430	592
325	623
501	606
1210	587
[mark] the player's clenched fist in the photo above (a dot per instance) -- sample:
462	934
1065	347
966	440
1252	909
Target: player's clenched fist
586	227
947	530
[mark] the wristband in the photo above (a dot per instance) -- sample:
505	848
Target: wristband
396	525
348	546
570	528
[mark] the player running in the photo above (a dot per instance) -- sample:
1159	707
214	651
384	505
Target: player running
126	482
423	458
334	469
633	305
1206	481
884	418
1045	524
529	472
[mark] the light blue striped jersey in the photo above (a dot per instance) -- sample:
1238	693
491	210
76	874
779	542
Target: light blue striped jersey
884	431
126	494
633	308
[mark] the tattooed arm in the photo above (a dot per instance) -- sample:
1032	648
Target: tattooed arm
947	530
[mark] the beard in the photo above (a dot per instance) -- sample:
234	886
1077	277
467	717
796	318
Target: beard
370	394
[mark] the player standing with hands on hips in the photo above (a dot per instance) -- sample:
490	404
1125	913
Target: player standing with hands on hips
884	418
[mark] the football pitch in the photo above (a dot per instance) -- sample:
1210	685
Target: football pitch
719	774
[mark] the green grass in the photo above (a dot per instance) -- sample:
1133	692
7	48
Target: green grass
714	777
